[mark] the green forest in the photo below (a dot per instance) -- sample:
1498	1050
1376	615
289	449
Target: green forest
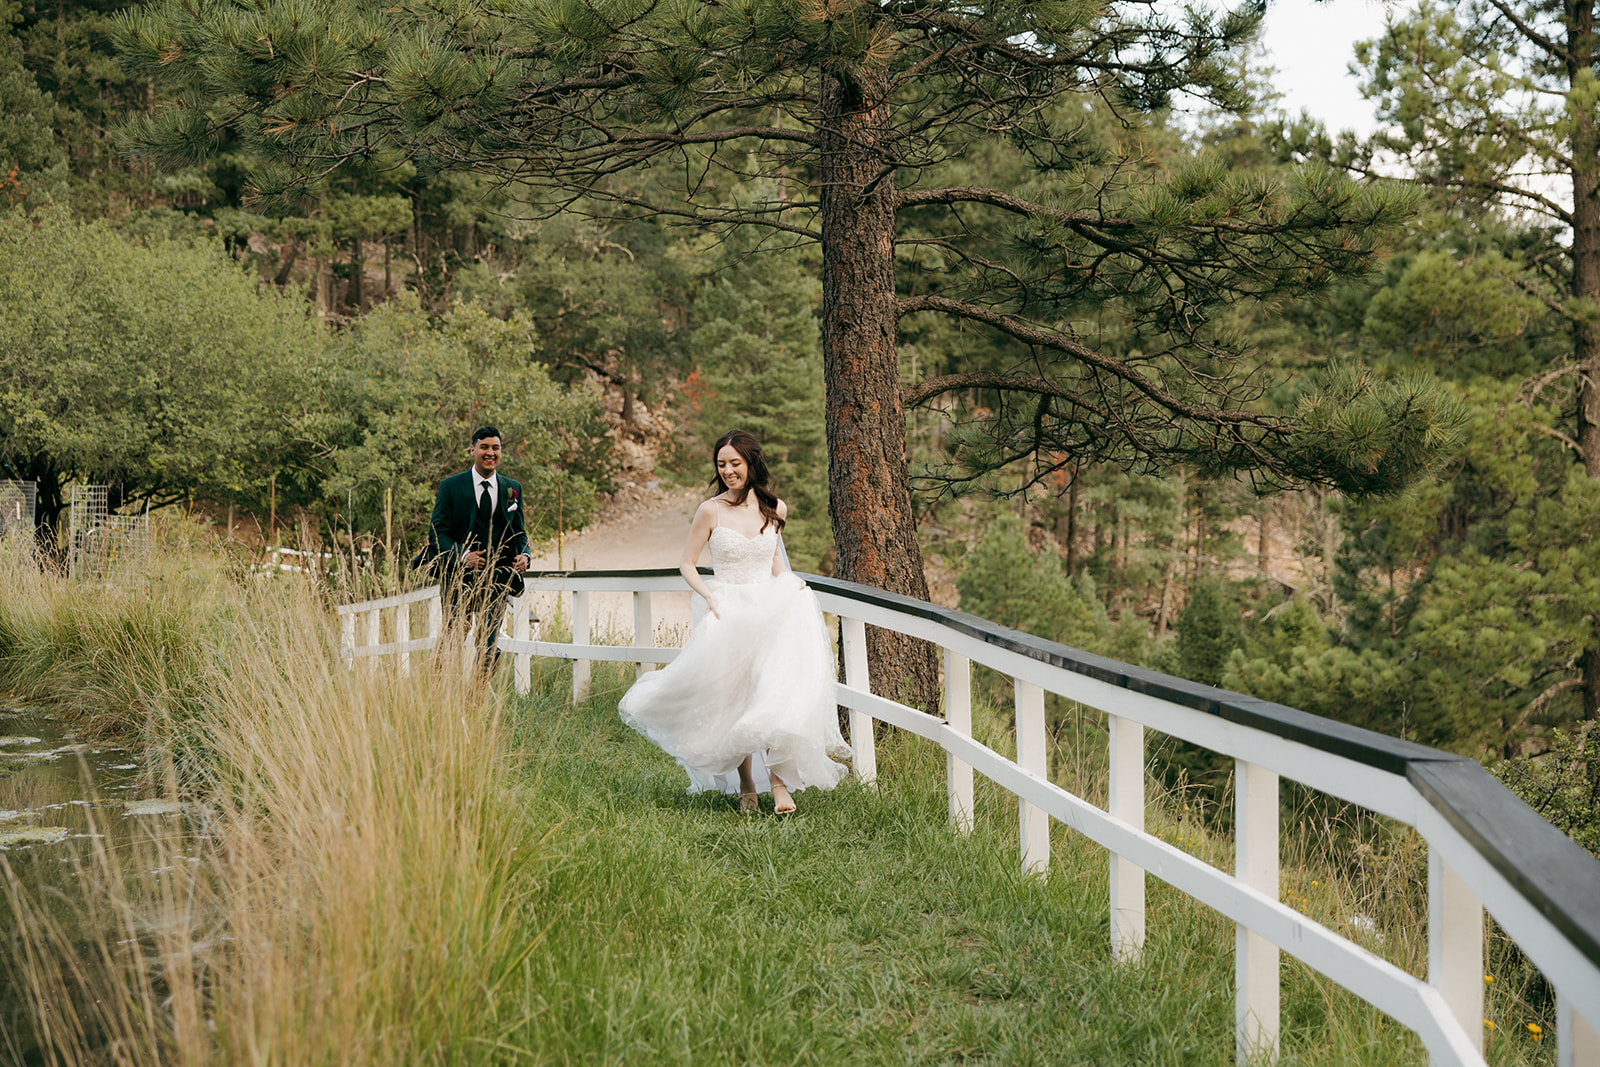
1046	309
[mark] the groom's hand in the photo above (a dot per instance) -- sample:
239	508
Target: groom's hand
520	563
474	560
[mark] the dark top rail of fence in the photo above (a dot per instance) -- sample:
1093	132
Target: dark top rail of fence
1551	872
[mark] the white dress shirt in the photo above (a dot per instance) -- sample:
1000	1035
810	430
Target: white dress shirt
478	482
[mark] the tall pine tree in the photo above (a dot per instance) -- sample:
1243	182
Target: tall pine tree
1496	103
761	370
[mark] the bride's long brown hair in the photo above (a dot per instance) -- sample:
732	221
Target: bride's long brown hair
759	479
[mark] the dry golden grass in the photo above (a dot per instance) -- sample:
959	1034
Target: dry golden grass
348	890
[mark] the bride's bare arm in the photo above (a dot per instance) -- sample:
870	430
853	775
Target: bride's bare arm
699	534
777	553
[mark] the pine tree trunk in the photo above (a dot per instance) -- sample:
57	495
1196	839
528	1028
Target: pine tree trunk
1164	609
288	255
1072	524
1586	246
358	277
1586	286
1589	665
869	490
1263	541
324	288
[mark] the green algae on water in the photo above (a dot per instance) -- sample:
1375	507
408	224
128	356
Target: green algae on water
33	835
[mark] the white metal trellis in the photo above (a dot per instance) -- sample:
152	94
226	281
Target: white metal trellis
18	508
103	545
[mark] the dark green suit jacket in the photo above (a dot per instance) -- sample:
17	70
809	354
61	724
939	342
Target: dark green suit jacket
455	509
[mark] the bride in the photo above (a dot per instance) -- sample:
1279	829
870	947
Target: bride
751	695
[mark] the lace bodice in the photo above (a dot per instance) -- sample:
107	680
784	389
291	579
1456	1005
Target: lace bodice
741	560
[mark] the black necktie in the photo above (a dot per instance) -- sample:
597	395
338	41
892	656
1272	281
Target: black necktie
484	508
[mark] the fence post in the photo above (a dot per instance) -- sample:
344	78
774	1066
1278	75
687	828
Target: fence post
863	749
1033	825
1255	959
436	617
1126	802
643	628
1455	946
1577	1043
580	636
347	639
402	634
374	635
521	631
958	717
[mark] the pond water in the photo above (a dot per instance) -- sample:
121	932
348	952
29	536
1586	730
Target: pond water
56	787
62	797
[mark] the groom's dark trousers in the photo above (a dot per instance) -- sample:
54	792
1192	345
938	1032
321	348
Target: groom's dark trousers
459	526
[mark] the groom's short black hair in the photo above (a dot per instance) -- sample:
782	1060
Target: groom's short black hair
481	432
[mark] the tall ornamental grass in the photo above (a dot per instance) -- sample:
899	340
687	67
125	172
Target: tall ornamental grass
352	888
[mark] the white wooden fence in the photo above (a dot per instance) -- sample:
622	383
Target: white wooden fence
368	644
1486	849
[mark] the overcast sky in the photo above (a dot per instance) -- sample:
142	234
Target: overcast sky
1311	44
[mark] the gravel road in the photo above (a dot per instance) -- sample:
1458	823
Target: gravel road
638	534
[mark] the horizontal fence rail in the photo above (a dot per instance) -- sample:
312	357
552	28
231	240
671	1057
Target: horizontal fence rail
1487	850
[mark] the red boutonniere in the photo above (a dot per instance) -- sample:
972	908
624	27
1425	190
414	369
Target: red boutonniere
513	505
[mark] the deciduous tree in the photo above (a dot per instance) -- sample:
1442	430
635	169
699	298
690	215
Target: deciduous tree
402	394
158	368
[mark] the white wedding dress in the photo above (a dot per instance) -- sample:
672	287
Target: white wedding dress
758	681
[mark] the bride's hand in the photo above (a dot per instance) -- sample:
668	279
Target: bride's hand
711	606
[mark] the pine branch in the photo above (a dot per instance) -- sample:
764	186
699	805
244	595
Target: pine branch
1055	340
1545	44
973	194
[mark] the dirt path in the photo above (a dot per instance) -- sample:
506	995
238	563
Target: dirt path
641	532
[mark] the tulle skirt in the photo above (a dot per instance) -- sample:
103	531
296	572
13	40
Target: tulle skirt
758	681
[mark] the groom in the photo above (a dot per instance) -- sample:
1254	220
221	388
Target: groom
477	540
